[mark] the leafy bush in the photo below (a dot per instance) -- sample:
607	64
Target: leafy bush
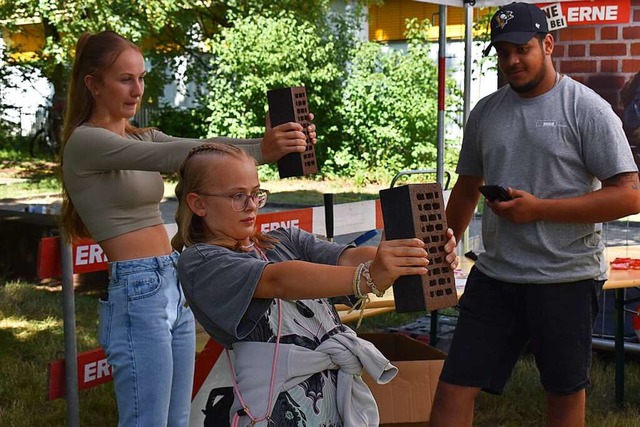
389	111
186	123
375	107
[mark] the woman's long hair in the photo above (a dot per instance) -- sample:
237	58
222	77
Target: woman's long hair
94	55
193	178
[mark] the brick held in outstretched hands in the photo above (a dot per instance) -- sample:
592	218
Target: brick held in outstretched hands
290	105
417	210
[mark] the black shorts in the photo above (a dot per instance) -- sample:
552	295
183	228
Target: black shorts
498	319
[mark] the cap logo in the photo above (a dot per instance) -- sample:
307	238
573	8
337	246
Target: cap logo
503	17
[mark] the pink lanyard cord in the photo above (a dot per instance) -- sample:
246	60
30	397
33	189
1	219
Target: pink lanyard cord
254	420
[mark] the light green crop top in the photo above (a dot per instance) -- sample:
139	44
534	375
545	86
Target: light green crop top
115	182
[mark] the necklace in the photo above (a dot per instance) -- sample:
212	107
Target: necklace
249	246
557	80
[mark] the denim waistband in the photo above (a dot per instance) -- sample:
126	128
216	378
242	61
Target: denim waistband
122	268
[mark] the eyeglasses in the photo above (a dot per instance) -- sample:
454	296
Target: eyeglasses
240	201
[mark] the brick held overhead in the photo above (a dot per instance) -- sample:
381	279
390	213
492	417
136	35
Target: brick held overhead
290	105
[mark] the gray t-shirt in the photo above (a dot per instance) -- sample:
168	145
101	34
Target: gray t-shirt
219	283
557	145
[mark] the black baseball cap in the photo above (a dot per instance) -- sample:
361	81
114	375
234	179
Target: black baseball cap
516	23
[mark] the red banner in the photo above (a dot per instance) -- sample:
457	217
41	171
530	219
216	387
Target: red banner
299	218
596	12
93	370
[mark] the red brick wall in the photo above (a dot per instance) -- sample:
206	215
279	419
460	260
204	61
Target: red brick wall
603	56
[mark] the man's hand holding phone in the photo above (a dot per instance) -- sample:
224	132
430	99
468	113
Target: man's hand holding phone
494	193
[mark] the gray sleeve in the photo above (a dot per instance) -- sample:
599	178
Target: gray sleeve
305	246
219	285
470	159
97	149
252	147
606	150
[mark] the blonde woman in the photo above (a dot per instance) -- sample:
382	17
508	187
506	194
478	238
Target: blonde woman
112	191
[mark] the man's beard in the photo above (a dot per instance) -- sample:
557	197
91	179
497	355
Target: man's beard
532	84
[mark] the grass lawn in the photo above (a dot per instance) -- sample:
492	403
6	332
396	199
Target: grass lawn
31	335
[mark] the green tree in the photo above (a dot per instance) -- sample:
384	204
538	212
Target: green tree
390	109
259	52
376	107
170	32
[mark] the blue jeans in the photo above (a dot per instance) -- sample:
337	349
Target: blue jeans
149	337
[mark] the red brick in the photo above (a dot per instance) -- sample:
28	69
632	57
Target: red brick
577	50
578	66
634	49
609	66
636	15
577	33
558	51
608	49
609	33
631	32
630	65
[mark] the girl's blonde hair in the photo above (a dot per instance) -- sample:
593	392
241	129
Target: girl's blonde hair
95	53
193	178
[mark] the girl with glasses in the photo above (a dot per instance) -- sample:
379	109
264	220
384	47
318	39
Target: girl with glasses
264	295
112	192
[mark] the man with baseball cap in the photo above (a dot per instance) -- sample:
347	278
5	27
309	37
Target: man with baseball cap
561	152
517	23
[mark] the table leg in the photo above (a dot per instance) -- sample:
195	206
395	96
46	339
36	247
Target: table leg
433	329
619	346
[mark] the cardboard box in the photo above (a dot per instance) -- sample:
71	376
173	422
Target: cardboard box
408	398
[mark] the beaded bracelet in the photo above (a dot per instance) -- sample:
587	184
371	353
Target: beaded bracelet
356	282
363	299
367	277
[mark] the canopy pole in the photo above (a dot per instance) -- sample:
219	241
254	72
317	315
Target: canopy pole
466	97
468	45
69	326
442	81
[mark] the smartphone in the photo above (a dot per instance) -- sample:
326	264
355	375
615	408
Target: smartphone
494	192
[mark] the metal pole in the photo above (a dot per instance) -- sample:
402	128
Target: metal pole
442	80
69	322
442	85
466	106
619	347
328	215
468	44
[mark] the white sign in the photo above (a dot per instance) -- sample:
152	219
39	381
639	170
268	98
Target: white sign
555	17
